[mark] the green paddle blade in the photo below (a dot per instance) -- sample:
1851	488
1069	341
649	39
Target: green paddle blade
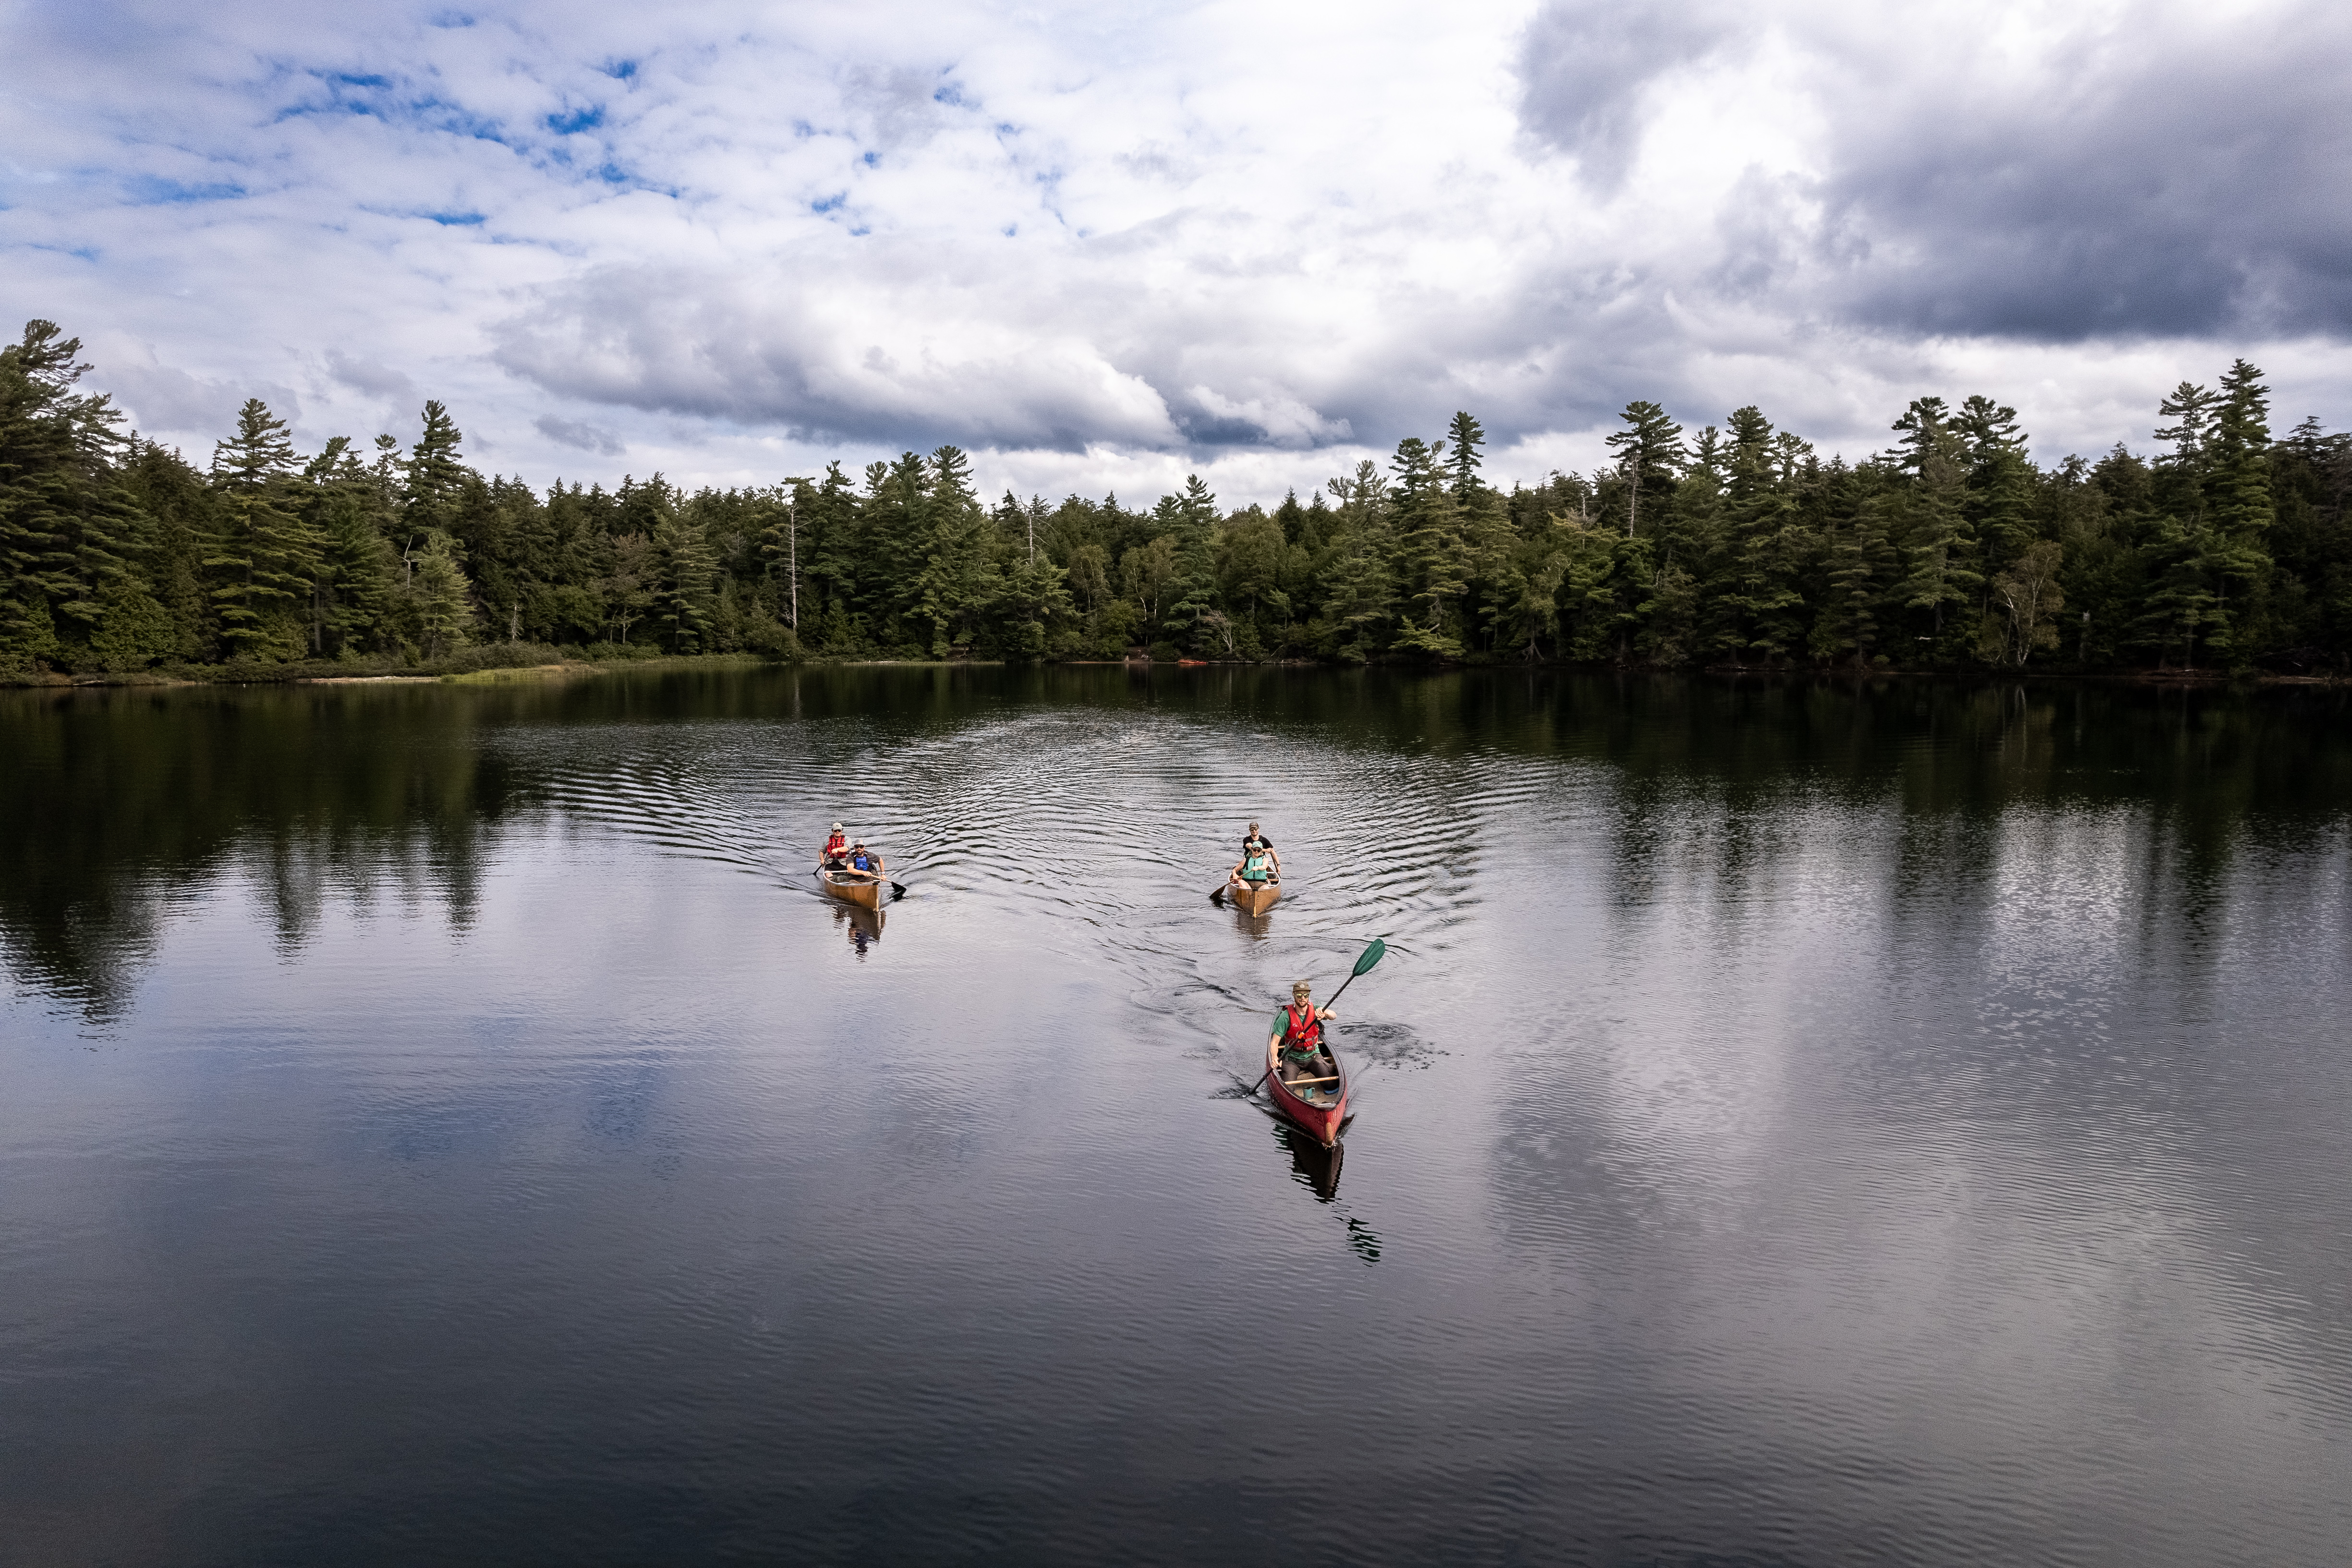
1372	954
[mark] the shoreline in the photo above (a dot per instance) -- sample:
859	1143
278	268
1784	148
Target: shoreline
541	669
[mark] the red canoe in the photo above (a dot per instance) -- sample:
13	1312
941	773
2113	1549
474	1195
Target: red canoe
1317	1108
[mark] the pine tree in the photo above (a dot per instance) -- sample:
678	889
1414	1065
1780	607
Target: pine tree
1861	571
1939	549
355	583
1190	520
958	579
1999	480
1527	603
1649	452
1362	596
1588	589
432	475
1465	437
837	565
1682	610
2242	511
1435	557
65	520
1776	549
780	543
685	571
440	598
267	555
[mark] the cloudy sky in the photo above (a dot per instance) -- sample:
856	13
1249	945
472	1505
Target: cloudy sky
1103	246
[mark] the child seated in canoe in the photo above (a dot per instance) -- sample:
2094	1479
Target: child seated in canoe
1256	869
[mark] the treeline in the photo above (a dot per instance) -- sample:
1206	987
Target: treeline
1737	545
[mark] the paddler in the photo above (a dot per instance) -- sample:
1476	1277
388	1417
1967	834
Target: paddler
1257	866
836	852
1298	1030
1254	839
864	860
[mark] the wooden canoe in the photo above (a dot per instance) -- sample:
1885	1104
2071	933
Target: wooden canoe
1252	900
1317	1110
860	888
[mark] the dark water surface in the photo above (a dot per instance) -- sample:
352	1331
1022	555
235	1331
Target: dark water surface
1795	1124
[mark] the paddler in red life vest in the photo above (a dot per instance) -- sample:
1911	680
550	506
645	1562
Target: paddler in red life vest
1299	1029
837	850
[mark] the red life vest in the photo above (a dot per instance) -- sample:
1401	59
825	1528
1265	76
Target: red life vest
837	846
1305	1031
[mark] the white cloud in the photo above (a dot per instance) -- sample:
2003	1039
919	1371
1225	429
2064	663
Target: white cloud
1104	247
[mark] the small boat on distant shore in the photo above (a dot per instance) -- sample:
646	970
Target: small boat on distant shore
1317	1106
1253	899
863	889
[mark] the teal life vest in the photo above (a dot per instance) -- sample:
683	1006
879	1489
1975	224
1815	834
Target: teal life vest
1254	869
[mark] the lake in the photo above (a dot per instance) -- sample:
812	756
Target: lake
1795	1122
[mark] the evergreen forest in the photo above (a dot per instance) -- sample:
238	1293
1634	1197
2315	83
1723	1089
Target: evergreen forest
2227	550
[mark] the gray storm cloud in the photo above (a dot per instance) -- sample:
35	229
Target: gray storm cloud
2165	194
848	360
2137	179
1586	69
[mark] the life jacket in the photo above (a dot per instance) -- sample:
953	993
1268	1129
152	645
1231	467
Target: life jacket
1305	1031
861	861
1254	868
837	846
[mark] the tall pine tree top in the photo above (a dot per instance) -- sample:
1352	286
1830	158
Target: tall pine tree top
1464	438
435	475
261	450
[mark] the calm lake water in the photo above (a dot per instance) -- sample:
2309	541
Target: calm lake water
1795	1123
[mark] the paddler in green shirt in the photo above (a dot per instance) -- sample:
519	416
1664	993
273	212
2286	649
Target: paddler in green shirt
1299	1030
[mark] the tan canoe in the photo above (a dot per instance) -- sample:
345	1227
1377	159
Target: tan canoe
1252	900
860	888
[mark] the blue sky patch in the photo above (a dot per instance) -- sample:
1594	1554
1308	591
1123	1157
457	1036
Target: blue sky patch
574	122
153	190
455	220
829	203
